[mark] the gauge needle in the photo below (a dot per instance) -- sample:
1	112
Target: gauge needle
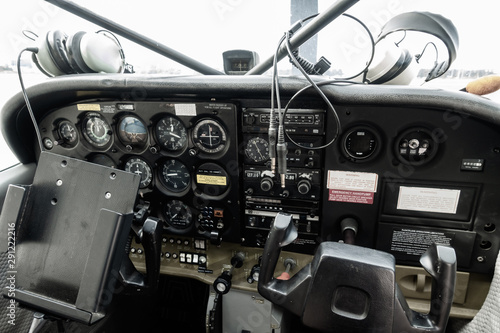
259	151
172	174
174	135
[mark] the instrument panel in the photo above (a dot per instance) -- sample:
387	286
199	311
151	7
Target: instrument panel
401	177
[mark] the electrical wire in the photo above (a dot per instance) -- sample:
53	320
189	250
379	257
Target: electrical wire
338	128
25	95
372	55
418	56
272	115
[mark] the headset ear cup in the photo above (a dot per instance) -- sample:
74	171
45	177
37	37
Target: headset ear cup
43	59
102	53
389	63
56	43
75	55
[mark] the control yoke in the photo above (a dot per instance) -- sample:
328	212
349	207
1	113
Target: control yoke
347	288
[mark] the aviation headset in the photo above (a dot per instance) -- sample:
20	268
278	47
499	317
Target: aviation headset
60	54
394	65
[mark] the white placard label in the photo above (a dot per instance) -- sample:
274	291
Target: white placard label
185	109
352	181
434	200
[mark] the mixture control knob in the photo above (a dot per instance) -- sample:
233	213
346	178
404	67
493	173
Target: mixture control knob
266	184
304	186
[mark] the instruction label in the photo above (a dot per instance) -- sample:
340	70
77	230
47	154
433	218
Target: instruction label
211	180
88	107
433	200
415	242
353	187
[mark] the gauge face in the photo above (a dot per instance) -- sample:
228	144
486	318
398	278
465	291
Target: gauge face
132	131
140	167
171	134
240	65
178	214
209	136
360	143
257	149
175	176
96	130
68	133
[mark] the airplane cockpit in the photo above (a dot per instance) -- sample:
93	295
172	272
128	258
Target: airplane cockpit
249	198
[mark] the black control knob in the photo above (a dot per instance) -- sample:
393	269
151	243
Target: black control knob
254	274
266	184
223	283
250	120
304	186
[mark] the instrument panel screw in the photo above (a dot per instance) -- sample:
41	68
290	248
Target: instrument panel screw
107	195
481	259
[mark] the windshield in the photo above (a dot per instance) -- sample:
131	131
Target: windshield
203	30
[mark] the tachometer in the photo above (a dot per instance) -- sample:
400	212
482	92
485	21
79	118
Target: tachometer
139	166
96	130
171	133
175	176
209	136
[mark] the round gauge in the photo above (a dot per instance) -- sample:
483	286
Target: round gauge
171	133
209	136
138	166
257	149
416	146
96	130
175	176
212	179
132	131
178	214
67	133
361	143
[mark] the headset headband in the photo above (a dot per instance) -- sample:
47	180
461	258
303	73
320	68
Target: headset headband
430	23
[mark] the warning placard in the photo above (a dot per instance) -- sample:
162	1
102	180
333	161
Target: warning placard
351	196
352	181
354	187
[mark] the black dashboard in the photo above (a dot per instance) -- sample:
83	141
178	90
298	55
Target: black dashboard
411	166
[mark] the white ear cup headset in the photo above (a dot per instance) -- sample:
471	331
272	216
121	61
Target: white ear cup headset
395	65
60	54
